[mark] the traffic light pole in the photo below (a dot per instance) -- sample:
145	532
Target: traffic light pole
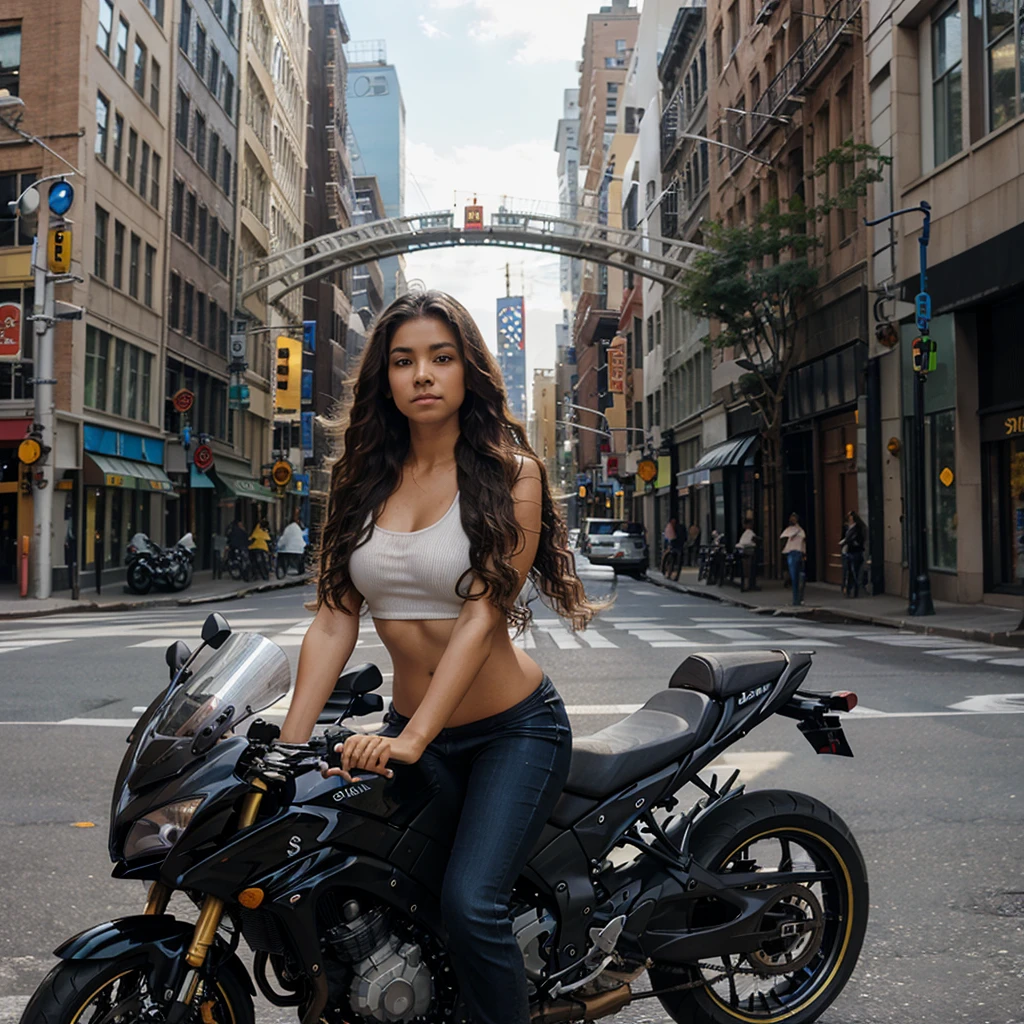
920	602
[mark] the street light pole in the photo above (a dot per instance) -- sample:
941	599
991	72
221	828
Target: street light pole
920	602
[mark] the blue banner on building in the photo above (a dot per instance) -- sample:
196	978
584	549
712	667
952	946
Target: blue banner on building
307	435
307	385
309	335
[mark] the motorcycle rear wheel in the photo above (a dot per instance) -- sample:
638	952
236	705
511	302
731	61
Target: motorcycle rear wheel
140	578
85	991
744	836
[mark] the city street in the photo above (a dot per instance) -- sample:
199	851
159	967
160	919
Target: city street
933	795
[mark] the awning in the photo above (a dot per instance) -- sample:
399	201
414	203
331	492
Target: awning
128	473
737	451
242	487
198	479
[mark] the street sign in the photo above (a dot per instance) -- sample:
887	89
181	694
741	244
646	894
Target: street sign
10	330
923	306
613	466
281	474
58	250
29	451
647	470
60	197
617	366
236	349
203	457
309	335
182	400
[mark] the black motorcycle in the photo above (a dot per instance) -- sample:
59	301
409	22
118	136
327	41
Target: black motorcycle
148	564
747	907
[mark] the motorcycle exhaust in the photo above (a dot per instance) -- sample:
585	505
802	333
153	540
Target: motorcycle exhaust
584	1008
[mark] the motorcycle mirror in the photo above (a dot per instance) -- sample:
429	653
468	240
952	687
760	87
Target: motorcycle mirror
176	656
215	630
363	678
350	706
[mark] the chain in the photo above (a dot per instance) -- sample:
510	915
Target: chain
700	983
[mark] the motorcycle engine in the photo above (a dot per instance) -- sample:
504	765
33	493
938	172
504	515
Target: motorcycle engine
390	978
534	930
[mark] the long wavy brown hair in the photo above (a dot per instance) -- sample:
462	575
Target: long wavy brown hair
372	445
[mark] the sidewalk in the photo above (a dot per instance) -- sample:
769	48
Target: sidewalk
116	597
976	623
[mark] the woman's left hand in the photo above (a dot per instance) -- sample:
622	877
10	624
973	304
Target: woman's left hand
371	752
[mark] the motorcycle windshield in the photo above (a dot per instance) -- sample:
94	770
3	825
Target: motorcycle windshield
247	674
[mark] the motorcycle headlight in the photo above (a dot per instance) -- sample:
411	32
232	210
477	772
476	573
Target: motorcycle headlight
160	829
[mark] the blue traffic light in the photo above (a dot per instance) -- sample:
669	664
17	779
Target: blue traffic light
61	196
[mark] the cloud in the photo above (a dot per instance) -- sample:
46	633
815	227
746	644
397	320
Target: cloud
543	30
476	275
430	28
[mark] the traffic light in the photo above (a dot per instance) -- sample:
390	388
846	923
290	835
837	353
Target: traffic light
582	491
289	375
924	352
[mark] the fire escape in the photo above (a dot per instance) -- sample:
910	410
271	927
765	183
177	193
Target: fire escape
804	69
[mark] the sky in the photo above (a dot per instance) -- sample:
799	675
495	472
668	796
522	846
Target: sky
482	82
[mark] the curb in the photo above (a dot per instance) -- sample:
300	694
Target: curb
1013	640
85	607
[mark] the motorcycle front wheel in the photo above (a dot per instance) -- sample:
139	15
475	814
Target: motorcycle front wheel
91	991
140	578
795	978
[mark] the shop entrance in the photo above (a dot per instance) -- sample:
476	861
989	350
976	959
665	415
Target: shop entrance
839	489
8	534
1004	512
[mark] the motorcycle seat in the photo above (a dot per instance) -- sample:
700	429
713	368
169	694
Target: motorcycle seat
726	675
668	726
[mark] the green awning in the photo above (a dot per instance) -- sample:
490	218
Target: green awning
128	473
198	479
242	487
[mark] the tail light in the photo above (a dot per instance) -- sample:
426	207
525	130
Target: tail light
843	700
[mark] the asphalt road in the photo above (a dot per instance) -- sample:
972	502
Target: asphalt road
935	794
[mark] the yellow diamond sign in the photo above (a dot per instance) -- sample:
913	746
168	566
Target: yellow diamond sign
946	476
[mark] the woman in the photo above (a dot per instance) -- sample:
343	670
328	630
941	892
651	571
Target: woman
853	542
290	546
794	551
259	550
439	513
669	547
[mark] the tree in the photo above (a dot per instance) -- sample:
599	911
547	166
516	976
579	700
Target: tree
754	282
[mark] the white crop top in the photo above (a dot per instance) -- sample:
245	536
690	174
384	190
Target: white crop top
412	575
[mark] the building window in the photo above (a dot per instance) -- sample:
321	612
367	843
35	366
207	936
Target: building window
97	348
190	303
133	147
140	57
212	324
150	271
190	218
99	259
154	192
214	157
201	234
232	18
118	143
132	410
184	111
174	302
13	229
178	208
214	237
222	334
144	169
940	452
117	391
734	27
201	322
147	370
947	100
106	26
229	93
200	139
1001	61
226	174
200	58
156	8
133	266
102	119
214	77
118	254
224	239
185	28
154	86
121	53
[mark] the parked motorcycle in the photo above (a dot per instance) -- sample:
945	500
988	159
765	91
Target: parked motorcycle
747	907
149	564
238	564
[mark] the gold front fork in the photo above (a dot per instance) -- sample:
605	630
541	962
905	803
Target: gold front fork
213	906
156	901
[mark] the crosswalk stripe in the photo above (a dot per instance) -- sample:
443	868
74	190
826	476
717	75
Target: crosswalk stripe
654	635
592	638
564	640
735	634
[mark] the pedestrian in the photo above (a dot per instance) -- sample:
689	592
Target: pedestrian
795	551
853	540
220	544
238	540
747	546
669	542
290	546
693	544
259	550
476	711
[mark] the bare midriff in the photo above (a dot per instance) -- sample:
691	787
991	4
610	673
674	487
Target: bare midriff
416	646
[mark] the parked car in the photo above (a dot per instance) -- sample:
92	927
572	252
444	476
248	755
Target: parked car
594	526
620	544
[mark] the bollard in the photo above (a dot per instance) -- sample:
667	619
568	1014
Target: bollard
23	566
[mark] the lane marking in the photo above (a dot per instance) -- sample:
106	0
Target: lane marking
736	634
592	638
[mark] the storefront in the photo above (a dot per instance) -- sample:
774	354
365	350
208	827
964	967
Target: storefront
15	498
240	497
124	489
722	489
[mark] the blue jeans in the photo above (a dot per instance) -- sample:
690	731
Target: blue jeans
509	770
796	565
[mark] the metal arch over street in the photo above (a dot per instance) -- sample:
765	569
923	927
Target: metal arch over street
284	272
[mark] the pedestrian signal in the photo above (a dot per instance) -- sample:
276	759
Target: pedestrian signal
924	353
